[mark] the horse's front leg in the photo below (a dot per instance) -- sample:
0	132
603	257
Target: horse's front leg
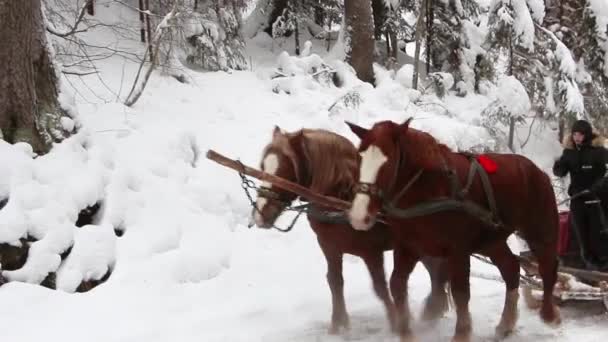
339	316
375	264
404	263
460	267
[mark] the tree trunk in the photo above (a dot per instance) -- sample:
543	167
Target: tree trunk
419	35
394	45
149	31
430	16
297	37
512	134
142	22
379	12
91	7
29	108
561	129
360	41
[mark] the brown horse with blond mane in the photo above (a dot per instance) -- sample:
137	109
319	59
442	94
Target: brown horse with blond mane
402	168
327	163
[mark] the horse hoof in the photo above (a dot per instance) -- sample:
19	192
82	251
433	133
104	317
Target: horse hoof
333	330
434	310
502	332
409	337
551	316
337	325
462	338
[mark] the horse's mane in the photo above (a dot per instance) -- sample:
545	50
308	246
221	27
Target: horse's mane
423	150
331	160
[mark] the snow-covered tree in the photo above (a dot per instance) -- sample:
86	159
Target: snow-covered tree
213	37
535	56
592	48
510	107
449	45
392	25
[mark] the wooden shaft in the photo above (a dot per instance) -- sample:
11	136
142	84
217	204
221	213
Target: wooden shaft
593	276
284	184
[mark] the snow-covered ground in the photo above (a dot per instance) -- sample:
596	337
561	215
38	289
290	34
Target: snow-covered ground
187	268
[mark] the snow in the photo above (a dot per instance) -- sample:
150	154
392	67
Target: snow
567	65
91	258
520	18
405	75
392	3
187	268
537	10
513	96
523	23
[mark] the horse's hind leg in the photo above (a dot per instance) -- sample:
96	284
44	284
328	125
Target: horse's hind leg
460	266
508	265
546	256
436	303
339	316
375	265
404	265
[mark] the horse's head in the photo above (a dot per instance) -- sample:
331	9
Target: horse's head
380	155
278	159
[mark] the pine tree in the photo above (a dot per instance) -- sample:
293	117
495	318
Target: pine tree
591	46
447	42
219	45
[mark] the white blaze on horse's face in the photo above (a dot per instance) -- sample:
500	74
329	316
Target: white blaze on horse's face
372	160
271	165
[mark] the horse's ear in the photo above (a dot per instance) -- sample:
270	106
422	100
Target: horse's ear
404	126
358	130
277	131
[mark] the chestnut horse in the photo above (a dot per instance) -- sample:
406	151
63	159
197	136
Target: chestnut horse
327	163
402	167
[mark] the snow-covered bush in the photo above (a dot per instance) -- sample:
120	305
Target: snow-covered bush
308	71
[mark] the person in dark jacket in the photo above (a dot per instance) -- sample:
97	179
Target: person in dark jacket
584	158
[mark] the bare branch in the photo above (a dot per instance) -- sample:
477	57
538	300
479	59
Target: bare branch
73	30
76	73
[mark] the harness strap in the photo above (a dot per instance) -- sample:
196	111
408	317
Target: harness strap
456	202
485	182
445	204
325	216
406	187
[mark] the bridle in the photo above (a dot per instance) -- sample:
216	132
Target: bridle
284	200
373	190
